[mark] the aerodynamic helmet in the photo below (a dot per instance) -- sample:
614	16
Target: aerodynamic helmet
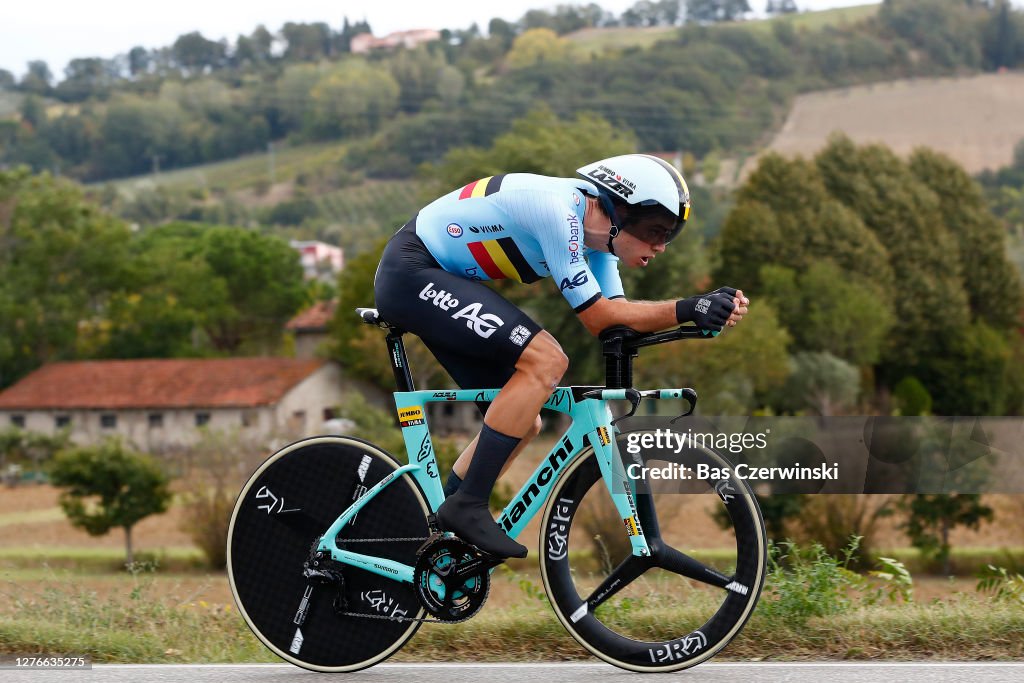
642	195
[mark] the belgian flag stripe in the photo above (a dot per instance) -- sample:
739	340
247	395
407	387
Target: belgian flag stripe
467	191
493	185
501	260
485	261
519	262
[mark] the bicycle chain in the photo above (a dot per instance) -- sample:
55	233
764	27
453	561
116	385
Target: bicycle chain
382	540
422	620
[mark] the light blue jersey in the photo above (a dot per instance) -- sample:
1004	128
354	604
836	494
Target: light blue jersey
524	227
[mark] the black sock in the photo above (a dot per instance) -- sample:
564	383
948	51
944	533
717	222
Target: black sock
492	450
453	483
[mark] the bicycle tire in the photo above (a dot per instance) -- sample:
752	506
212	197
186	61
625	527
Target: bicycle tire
284	507
691	640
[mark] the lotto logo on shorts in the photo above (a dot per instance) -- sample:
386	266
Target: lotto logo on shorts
410	417
630	523
455	230
519	335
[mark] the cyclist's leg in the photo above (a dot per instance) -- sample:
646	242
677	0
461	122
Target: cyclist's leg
469	319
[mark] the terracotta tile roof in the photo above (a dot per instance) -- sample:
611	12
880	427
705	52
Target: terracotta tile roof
173	383
314	318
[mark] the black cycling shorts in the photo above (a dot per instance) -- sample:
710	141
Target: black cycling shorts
474	332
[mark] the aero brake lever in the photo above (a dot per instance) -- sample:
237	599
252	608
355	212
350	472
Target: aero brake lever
690	396
633	396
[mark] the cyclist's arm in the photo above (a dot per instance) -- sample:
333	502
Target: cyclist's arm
642	316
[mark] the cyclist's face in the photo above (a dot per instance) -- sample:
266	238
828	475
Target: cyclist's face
635	252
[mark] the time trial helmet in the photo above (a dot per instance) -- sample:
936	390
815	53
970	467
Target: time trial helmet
642	195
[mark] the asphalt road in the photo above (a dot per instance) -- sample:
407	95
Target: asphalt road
825	672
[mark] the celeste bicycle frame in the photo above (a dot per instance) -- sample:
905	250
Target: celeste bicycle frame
591	425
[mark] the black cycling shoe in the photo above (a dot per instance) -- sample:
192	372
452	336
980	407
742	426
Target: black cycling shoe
470	519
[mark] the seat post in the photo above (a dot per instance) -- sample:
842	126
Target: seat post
399	361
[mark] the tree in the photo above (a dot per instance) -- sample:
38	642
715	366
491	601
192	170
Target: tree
85	78
306	42
7	80
37	78
829	310
61	258
822	382
711	11
138	61
194	53
933	516
109	486
537	45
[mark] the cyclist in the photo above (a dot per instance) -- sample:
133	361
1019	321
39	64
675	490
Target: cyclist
526	227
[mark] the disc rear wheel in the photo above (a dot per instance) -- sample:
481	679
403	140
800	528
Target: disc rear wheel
280	514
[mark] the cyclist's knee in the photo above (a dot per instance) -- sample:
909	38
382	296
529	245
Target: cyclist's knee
544	359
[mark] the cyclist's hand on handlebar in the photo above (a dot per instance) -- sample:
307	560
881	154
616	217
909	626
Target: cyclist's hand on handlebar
709	311
741	303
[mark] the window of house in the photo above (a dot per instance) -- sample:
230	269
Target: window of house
248	418
62	421
449	409
108	420
202	419
18	421
156	420
331	414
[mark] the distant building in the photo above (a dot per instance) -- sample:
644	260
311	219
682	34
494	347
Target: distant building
310	328
319	260
160	405
364	42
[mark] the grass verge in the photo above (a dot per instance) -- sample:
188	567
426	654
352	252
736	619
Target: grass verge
151	624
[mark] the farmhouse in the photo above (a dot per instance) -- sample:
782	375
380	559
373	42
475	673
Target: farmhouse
160	405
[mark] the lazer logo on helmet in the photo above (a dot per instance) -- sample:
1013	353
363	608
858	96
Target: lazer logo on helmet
578	280
613	181
574	238
484	324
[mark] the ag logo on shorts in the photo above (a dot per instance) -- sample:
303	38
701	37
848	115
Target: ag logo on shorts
455	230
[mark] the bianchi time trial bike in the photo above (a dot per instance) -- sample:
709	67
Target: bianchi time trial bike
335	558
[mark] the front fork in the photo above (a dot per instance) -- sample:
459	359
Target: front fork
632	498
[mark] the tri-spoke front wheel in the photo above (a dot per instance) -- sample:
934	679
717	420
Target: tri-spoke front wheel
671	610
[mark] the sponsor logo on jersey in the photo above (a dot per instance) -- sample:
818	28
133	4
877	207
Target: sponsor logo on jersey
574	238
477	229
576	198
519	335
613	181
473	274
578	280
455	230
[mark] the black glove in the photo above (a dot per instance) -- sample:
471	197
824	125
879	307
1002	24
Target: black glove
710	311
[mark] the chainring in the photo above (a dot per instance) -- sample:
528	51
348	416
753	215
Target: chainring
443	593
